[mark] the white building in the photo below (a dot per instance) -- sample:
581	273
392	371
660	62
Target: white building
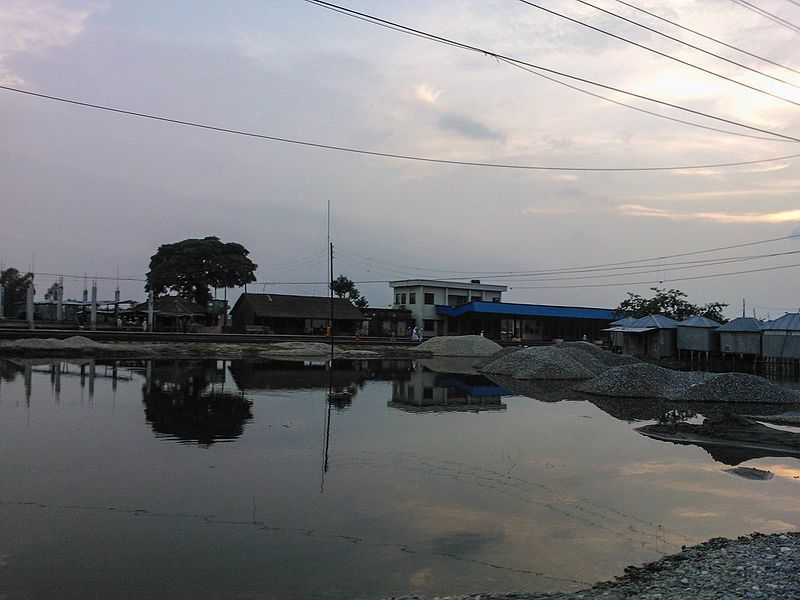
421	296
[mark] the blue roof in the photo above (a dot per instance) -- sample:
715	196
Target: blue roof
699	322
742	324
624	322
788	322
527	310
654	321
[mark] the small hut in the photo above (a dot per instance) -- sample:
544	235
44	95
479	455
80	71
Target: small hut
173	313
616	330
653	336
781	338
294	315
698	334
741	336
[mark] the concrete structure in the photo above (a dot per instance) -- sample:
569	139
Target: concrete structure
781	338
698	334
741	336
422	296
526	322
295	315
654	336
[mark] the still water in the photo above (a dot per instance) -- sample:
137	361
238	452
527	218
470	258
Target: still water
220	479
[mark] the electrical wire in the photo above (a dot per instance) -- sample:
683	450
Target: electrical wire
772	17
638	262
716	41
685	43
657	52
500	57
403	156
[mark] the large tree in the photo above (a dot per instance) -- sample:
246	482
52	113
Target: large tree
15	288
344	287
193	266
670	303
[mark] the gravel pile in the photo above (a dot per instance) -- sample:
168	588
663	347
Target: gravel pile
641	380
755	566
576	360
459	345
739	387
644	380
75	342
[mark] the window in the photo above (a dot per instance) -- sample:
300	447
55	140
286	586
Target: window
429	299
397	299
495	298
412	298
476	298
429	325
402	298
455	300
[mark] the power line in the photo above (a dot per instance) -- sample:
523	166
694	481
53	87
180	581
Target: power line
656	281
716	41
657	52
500	57
685	43
772	17
599	266
403	156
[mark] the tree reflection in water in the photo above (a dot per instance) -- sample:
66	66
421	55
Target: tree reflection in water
186	401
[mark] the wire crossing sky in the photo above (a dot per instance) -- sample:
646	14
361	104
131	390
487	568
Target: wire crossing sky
591	168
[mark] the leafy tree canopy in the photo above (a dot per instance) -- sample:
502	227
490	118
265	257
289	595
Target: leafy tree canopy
193	266
670	303
15	287
52	292
344	287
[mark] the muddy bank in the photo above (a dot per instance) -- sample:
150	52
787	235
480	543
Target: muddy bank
78	346
754	566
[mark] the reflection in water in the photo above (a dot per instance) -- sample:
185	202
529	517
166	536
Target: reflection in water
187	401
729	439
427	391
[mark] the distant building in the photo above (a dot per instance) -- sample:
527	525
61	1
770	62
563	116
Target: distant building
422	296
698	334
173	313
526	322
653	336
741	336
387	322
294	315
616	330
781	337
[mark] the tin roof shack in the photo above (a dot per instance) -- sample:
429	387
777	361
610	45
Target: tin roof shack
653	336
698	334
615	329
780	338
387	322
173	313
741	336
293	315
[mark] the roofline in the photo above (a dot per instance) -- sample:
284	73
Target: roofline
440	283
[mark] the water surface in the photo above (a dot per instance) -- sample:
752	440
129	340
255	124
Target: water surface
212	479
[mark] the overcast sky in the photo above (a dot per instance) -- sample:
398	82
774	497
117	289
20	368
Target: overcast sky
85	191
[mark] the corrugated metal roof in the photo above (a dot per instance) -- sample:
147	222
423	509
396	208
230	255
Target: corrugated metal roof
788	322
699	322
742	324
624	322
654	322
528	310
302	307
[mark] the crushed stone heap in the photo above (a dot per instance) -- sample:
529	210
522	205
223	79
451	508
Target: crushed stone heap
739	387
573	360
459	345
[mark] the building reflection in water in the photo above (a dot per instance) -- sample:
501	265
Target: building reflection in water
429	391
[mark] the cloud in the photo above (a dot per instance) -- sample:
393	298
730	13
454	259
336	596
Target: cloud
427	94
534	210
637	210
34	27
469	128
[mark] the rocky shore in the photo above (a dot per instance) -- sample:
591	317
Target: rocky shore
754	566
